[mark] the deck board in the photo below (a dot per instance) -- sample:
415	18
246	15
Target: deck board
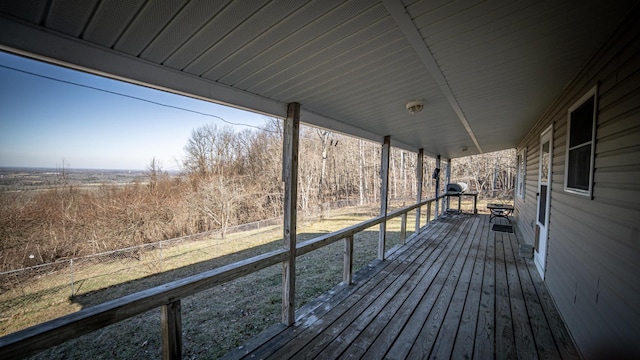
456	290
463	345
447	281
505	341
444	343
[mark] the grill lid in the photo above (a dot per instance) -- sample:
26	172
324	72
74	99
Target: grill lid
458	187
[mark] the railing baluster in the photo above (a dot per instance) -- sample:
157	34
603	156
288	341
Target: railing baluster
403	228
171	331
347	274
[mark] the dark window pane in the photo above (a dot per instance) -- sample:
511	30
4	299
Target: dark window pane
582	123
542	205
579	166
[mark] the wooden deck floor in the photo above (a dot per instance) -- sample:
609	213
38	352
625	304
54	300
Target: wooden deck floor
457	290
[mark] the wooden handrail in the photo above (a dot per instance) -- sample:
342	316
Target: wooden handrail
40	337
324	240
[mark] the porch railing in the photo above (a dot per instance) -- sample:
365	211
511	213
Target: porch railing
168	296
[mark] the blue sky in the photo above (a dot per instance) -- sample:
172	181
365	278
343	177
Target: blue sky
43	121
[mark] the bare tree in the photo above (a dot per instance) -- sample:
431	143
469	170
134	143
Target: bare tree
153	171
362	188
324	136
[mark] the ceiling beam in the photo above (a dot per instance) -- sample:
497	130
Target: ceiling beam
399	14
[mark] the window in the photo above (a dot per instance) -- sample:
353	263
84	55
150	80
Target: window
581	131
522	172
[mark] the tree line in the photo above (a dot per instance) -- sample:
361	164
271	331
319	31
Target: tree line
228	177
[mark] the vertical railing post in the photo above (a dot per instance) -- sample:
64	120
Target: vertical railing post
446	201
384	186
347	273
403	228
161	260
429	212
475	203
437	173
419	176
171	318
71	272
290	178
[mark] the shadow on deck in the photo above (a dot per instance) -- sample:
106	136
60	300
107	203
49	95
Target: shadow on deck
456	290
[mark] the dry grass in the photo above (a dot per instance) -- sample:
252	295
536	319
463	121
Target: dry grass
219	319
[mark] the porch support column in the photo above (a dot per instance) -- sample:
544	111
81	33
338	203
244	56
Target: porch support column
445	200
419	171
384	186
290	178
437	175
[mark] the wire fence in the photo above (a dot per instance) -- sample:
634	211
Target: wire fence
58	285
148	257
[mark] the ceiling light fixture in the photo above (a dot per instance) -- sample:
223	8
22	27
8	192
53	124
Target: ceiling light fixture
415	106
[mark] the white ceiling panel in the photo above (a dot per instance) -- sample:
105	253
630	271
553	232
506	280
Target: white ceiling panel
146	25
70	17
329	43
316	27
274	36
309	66
29	10
259	22
339	70
110	20
184	25
190	55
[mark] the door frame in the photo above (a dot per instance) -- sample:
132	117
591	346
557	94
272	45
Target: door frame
542	228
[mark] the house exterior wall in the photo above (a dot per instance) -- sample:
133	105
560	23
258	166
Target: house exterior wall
593	259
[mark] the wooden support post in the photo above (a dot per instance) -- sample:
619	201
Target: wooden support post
446	201
419	176
403	228
475	202
347	273
437	213
428	213
384	186
290	178
171	331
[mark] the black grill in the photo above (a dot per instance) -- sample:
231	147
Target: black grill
457	188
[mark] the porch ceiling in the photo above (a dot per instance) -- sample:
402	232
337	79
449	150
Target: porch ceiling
487	70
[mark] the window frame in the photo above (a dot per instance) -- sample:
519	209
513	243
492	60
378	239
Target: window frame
592	93
521	172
